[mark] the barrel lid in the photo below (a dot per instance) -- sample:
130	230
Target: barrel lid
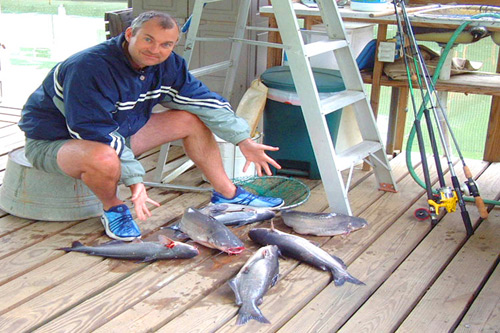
280	77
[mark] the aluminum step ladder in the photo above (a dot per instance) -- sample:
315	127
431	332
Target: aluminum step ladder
314	109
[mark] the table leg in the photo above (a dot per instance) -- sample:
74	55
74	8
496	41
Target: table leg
377	70
274	55
492	145
401	118
377	73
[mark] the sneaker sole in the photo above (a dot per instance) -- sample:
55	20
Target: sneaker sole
113	236
238	206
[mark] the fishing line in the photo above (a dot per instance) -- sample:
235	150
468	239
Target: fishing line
470	181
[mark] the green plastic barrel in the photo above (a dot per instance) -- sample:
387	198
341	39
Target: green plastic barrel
284	124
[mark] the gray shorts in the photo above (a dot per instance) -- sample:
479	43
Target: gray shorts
42	154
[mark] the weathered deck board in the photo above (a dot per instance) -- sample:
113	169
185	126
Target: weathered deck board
10	111
392	301
9	118
484	314
444	303
341	302
149	316
45	289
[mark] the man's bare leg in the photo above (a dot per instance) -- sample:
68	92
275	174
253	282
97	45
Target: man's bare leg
96	164
199	144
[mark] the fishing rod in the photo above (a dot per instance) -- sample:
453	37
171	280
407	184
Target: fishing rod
448	195
417	124
471	185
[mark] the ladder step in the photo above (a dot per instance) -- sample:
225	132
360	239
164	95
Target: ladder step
205	70
340	100
324	46
357	153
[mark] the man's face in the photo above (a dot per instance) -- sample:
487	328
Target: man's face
151	44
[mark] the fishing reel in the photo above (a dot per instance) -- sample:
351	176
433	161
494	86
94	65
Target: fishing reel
448	200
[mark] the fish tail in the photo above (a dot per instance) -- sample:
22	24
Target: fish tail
250	311
74	245
339	278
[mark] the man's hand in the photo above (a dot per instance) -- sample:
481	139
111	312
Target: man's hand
255	153
139	199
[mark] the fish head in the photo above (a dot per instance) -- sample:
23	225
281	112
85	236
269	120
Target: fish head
270	251
223	239
260	235
356	223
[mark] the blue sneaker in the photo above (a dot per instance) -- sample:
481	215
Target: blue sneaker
247	199
119	224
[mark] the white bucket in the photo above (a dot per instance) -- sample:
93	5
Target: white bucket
369	5
34	194
233	160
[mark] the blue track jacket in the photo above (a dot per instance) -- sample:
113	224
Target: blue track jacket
97	95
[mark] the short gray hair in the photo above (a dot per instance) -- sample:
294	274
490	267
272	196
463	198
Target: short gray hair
166	21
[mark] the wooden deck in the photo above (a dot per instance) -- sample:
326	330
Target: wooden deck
418	278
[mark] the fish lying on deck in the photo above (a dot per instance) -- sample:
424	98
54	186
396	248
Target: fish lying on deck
165	248
322	224
259	273
303	250
239	217
209	232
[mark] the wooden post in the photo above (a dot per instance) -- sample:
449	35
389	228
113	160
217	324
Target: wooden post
492	145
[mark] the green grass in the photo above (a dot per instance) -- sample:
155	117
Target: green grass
468	114
80	8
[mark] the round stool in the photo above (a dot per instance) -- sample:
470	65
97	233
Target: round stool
35	194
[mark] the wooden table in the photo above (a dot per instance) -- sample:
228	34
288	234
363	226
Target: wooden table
466	83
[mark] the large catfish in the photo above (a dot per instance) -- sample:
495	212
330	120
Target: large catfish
303	250
165	248
322	224
209	232
259	273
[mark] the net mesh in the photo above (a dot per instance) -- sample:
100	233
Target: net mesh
291	190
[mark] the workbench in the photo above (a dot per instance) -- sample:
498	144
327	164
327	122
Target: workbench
485	84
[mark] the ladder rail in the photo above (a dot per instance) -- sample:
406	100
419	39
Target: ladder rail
310	103
314	110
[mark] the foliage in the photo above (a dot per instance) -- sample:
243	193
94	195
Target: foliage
80	8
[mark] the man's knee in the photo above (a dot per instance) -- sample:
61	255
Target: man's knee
81	156
105	156
187	119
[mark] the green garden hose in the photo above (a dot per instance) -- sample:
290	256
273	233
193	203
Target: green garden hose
435	77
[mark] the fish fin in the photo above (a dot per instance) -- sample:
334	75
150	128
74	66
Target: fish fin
174	226
181	236
250	311
340	279
74	245
272	224
281	255
275	280
168	242
147	259
341	262
234	287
